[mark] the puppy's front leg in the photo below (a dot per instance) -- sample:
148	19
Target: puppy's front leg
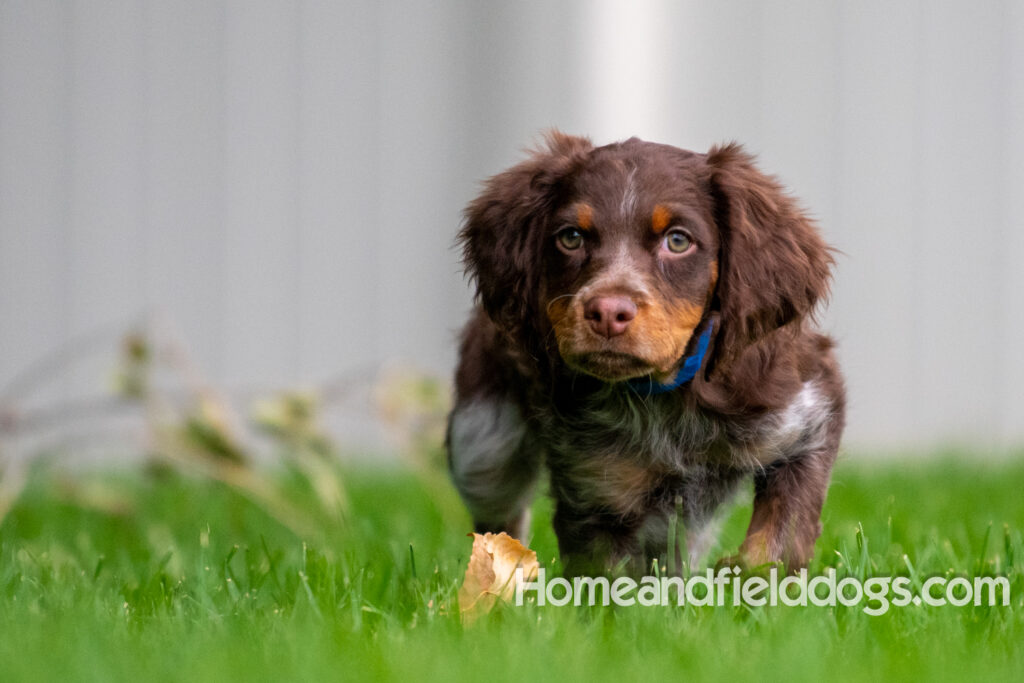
594	543
493	463
788	497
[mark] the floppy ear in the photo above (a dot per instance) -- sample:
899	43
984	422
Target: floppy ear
502	235
774	266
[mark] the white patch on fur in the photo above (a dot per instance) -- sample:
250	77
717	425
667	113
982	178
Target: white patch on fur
804	420
623	422
485	438
621	274
799	428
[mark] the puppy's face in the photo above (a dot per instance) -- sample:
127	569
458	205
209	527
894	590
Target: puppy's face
616	253
630	262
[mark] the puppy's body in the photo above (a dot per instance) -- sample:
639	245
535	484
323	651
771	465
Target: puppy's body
599	270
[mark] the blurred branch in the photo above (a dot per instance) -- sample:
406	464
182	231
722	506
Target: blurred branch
54	363
12	422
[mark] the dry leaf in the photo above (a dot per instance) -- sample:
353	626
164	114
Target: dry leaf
491	574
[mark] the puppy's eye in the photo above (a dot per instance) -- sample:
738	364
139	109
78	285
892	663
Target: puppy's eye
570	239
677	241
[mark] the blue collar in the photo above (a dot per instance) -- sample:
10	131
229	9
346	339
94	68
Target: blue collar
689	369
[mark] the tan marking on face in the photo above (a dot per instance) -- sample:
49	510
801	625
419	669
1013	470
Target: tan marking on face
559	313
713	268
658	335
660	219
666	331
584	216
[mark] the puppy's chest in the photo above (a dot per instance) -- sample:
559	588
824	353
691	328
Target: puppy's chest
625	443
616	426
630	462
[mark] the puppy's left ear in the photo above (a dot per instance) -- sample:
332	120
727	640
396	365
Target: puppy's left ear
774	266
504	228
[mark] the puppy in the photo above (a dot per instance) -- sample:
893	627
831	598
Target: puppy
644	331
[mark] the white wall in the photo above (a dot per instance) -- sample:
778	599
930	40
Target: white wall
284	180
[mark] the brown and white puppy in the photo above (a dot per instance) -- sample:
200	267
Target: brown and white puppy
606	277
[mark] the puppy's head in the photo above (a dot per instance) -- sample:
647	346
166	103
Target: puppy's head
614	256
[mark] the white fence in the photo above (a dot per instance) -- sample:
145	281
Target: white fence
284	179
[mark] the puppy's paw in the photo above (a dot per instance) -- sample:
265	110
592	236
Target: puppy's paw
750	565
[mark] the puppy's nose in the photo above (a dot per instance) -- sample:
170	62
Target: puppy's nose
609	316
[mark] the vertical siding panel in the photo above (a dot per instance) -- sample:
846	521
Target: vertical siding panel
418	208
713	89
261	192
875	216
523	68
33	176
184	167
107	193
1008	296
338	178
958	208
798	91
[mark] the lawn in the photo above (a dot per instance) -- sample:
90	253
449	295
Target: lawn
153	575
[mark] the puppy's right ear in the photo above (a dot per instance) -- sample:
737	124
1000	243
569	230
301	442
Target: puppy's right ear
502	236
775	266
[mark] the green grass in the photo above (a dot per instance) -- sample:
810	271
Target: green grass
142	577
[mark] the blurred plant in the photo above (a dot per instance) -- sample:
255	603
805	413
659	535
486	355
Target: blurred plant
132	377
415	406
191	426
15	420
206	437
206	432
292	419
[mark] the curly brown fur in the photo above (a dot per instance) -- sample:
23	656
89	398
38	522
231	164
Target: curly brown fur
598	265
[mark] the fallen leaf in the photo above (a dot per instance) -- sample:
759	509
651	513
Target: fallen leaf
491	574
